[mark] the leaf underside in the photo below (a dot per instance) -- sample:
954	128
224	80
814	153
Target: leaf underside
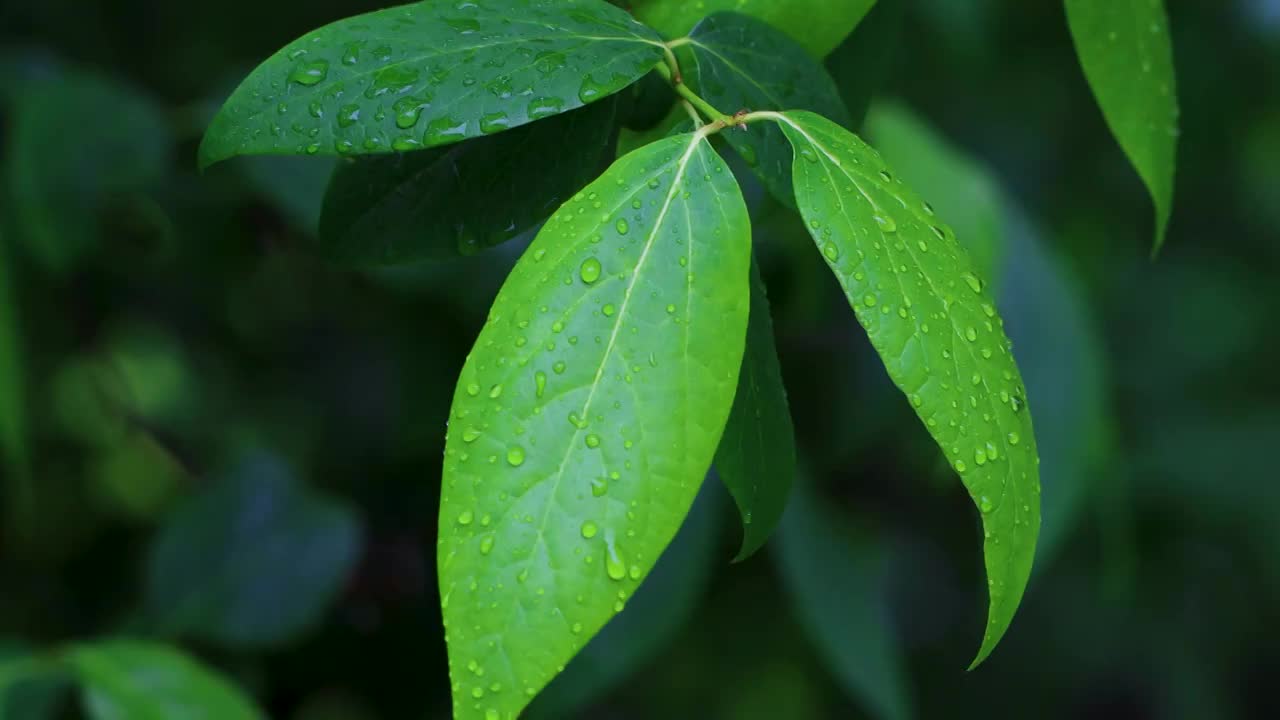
933	323
587	415
756	459
1127	57
428	74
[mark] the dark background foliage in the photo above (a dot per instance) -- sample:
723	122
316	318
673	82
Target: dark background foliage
208	406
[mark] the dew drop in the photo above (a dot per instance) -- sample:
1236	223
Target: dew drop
590	270
515	456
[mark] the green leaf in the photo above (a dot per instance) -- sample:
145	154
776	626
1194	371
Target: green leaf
255	534
860	65
756	459
31	685
818	25
935	327
836	575
134	680
660	609
1124	48
441	202
587	416
63	172
958	187
295	186
741	63
429	74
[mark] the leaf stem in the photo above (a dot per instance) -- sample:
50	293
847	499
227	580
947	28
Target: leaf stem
684	91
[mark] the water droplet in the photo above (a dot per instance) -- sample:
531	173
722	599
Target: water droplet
589	529
544	107
492	714
980	456
971	334
495	392
465	517
470	435
494	122
590	270
622	227
599	487
973	282
515	456
540	382
613	564
310	73
831	251
593	440
486	545
608	310
1014	438
886	224
985	504
559	367
869	300
473	389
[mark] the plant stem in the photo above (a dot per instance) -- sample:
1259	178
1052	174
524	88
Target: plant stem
694	99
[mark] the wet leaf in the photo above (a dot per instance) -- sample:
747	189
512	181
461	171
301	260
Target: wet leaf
933	323
575	443
818	25
428	74
1124	48
465	198
756	459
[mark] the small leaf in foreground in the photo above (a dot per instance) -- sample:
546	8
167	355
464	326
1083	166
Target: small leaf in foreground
1124	48
740	63
575	443
933	323
440	203
255	534
756	459
428	74
135	680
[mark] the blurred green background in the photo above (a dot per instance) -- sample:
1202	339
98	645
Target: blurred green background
212	438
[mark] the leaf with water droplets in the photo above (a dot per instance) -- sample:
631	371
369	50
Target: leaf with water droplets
740	63
256	533
1127	56
818	25
756	459
836	574
137	680
440	203
618	440
428	74
935	326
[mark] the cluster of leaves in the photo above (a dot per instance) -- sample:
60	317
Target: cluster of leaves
631	347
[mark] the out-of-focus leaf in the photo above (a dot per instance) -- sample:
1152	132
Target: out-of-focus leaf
931	320
31	685
836	576
677	121
295	186
462	199
958	188
135	680
13	415
818	25
426	74
740	63
252	561
860	64
1060	351
63	171
1124	48
653	617
756	459
570	463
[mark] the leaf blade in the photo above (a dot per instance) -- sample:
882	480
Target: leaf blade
756	459
744	63
819	25
565	410
872	231
409	77
1127	57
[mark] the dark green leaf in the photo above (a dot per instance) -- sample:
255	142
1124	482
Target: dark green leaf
13	415
756	459
587	416
252	561
64	171
930	318
959	188
134	680
464	198
295	186
818	25
741	63
860	64
1127	57
429	74
660	608
836	575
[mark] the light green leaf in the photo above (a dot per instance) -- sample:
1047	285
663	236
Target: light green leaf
587	416
756	459
654	617
134	680
818	25
255	534
740	63
958	187
63	172
429	74
440	203
1124	48
931	319
836	575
